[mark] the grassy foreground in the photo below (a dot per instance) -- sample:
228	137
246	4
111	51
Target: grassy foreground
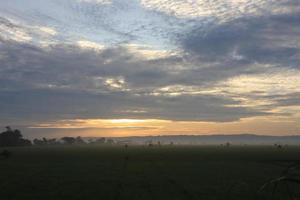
140	172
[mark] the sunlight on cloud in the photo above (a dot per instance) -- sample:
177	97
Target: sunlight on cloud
148	52
180	8
256	90
273	83
178	90
123	127
126	121
16	35
11	31
222	9
48	30
85	44
24	33
103	123
115	83
293	111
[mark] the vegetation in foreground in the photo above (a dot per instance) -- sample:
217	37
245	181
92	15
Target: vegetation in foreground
143	172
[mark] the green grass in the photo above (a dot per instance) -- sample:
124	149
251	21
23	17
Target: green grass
138	172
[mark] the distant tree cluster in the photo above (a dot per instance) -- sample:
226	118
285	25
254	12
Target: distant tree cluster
54	141
98	141
45	141
12	137
71	141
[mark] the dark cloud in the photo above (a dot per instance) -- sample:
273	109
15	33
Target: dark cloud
270	39
288	100
57	105
66	82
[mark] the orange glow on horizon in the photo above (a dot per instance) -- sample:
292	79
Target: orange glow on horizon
126	121
142	127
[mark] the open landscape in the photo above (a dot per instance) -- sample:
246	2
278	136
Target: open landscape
149	99
143	172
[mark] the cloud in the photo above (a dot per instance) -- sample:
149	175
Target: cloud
220	9
96	1
90	45
12	30
60	82
153	60
48	30
270	39
9	30
99	21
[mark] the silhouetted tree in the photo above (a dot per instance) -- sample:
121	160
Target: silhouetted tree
38	142
68	140
52	141
278	146
110	141
5	153
45	141
100	141
79	140
13	138
24	142
149	143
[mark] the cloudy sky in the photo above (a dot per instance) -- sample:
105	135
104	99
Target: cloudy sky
150	67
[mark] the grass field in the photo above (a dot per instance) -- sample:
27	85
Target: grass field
140	172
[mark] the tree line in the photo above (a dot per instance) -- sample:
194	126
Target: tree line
11	137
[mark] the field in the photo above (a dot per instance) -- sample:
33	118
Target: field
140	172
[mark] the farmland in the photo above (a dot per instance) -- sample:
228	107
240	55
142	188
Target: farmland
142	172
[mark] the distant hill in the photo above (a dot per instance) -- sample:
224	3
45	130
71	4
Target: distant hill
214	139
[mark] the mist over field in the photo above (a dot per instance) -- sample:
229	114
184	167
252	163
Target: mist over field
245	139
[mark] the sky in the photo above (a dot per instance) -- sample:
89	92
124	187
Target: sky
150	67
